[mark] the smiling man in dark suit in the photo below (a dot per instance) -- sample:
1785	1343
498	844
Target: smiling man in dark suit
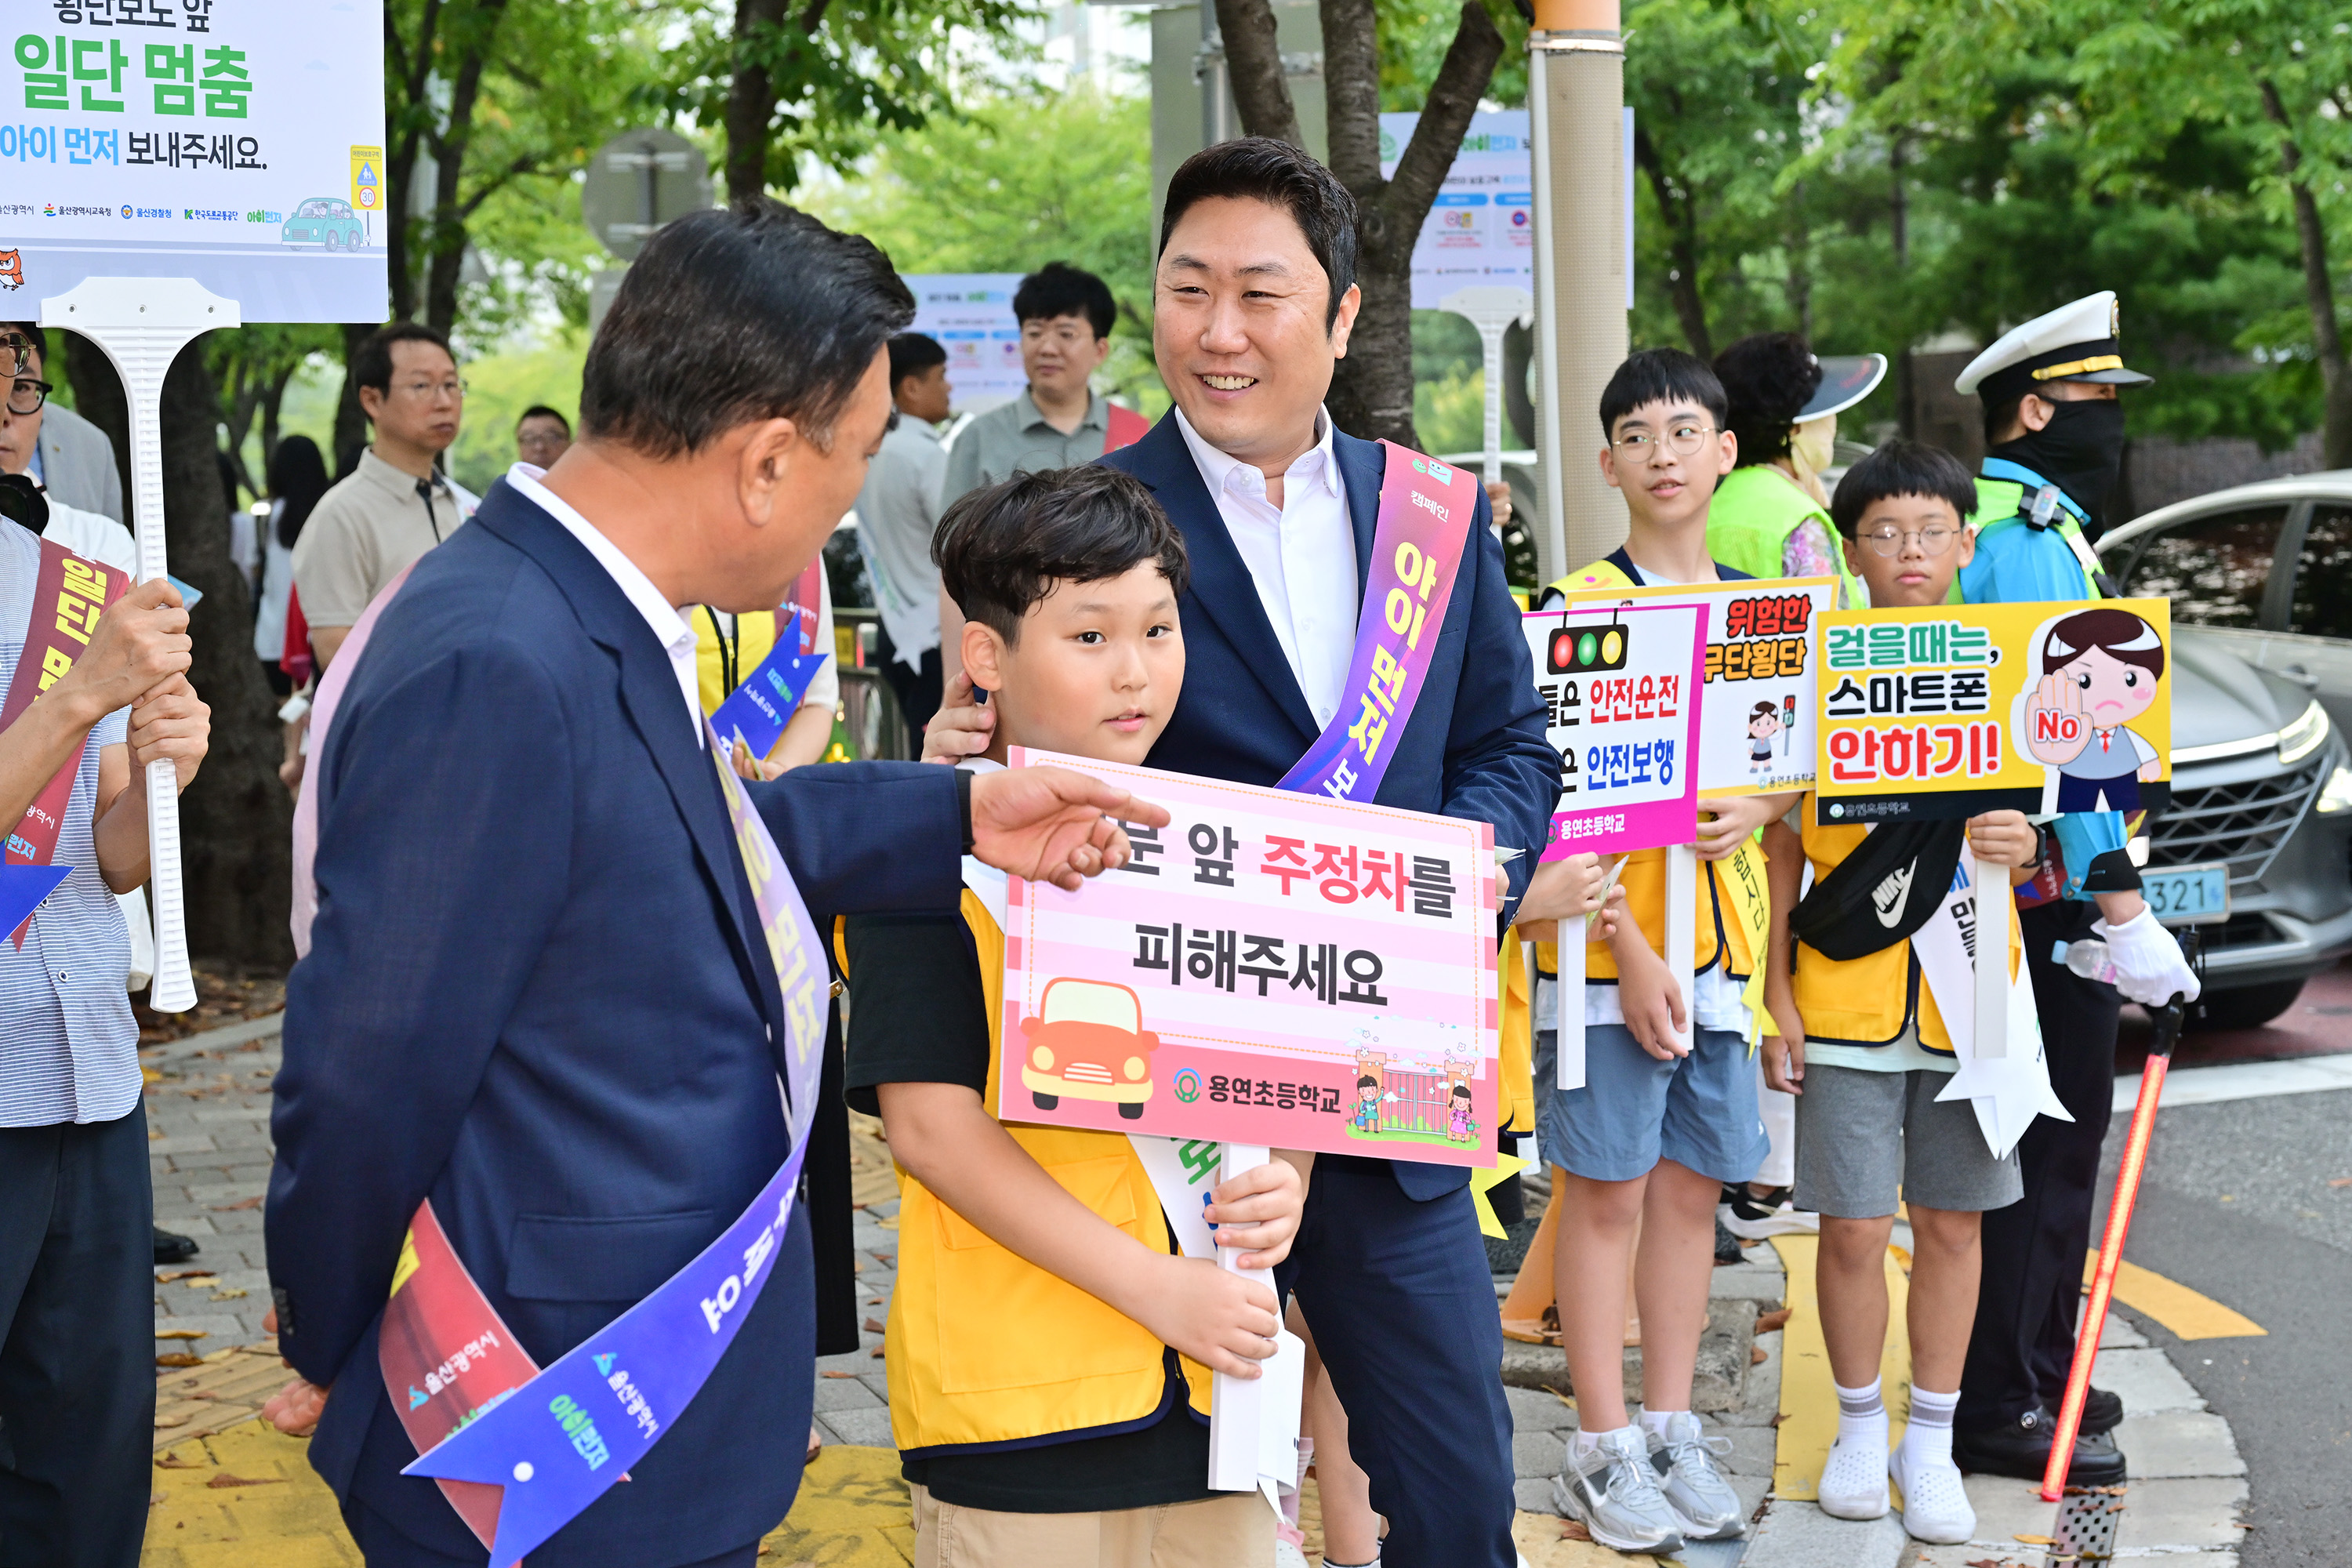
537	992
1253	307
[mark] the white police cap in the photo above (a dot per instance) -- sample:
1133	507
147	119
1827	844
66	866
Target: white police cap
2074	342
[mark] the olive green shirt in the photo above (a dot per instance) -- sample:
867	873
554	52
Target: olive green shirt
1014	438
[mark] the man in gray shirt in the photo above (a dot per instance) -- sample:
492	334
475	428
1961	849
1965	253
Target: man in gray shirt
73	459
1066	318
898	512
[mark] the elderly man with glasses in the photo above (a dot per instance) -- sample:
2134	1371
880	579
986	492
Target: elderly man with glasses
65	454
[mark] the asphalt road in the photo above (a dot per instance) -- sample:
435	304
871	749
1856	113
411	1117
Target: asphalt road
2237	1202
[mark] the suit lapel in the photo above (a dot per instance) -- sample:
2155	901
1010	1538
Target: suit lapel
650	694
1362	465
1223	589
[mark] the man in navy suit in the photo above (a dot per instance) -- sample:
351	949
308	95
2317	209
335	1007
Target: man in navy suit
537	992
1255	300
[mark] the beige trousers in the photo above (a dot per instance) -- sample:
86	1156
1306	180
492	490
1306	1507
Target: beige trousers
1233	1530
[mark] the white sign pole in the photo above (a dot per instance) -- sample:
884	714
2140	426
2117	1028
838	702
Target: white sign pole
1492	308
1236	1404
1990	881
142	324
1682	931
1568	988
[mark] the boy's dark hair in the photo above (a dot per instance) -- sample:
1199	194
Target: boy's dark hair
1368	1081
1661	375
1258	168
752	311
1767	377
1058	288
1901	467
911	354
372	366
541	411
1002	549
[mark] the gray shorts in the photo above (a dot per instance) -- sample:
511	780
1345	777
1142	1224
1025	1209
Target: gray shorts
1865	1138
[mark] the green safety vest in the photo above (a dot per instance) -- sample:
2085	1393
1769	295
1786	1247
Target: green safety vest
1748	523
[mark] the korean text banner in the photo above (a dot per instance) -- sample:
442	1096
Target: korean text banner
238	142
1619	690
1273	967
1481	227
1757	700
1954	709
971	316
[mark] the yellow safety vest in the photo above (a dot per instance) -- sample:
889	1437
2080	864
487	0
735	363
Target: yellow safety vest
1870	1000
755	638
982	1346
1733	918
1517	1106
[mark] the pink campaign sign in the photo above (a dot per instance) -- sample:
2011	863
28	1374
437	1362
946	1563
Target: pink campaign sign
1274	968
1620	687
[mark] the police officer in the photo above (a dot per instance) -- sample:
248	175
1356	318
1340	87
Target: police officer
2054	431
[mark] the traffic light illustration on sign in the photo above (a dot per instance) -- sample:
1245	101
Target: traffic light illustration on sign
1585	650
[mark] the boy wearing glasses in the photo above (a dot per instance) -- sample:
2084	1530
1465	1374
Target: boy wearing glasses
1667	1115
1862	1045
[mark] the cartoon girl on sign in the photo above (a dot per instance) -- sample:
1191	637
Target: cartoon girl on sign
1763	723
2100	670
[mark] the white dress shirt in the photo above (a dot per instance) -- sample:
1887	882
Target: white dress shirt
1301	555
670	627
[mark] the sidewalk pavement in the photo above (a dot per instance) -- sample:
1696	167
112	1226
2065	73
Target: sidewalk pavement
220	1472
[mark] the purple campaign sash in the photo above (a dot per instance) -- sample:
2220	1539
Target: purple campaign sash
555	1444
1418	543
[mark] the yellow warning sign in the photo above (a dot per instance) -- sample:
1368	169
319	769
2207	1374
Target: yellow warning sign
367	179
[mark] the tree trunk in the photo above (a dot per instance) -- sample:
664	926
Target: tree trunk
449	148
1679	207
1371	392
98	397
751	103
1253	66
2318	290
273	399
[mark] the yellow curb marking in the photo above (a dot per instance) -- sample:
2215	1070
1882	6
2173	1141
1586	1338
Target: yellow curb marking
2188	1313
1809	1407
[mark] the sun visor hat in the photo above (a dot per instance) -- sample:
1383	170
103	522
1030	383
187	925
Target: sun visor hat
1846	380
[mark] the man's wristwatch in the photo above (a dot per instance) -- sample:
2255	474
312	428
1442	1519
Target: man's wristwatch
963	805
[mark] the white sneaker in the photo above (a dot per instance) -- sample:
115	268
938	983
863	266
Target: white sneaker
1936	1507
1752	1218
1853	1479
1613	1493
1702	1501
1286	1555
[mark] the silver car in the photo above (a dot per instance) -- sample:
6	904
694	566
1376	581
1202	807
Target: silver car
2260	577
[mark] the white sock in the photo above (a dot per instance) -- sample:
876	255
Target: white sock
1335	1562
1927	1440
1585	1442
1656	1420
1862	1412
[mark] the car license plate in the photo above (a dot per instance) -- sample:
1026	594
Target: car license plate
2187	895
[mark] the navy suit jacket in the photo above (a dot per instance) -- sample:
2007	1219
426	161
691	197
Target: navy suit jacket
1475	747
538	994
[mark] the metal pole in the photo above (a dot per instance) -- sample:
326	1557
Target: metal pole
1576	98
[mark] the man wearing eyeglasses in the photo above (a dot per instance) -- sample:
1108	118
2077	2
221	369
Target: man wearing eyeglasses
395	504
66	455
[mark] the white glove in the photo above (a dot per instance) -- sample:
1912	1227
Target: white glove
2149	968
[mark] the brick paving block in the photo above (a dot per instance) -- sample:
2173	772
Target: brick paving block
1800	1535
238	1222
183	1144
2186	1515
255	1177
2146	1383
1752	1450
1534	1495
192	1220
2179	1443
1763	1398
1536	1454
854	1363
866	1429
1751	1281
1539	1410
2008	1508
844	1393
209	1324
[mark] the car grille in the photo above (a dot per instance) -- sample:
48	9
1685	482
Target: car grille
1086	1072
2244	825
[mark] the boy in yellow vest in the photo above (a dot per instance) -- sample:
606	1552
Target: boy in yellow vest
1660	1126
1048	1349
1860	1041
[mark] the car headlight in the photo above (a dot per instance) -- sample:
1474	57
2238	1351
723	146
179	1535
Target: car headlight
2336	795
2304	736
1137	1066
1042	1058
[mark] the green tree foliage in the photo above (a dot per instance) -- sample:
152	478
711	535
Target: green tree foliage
1011	184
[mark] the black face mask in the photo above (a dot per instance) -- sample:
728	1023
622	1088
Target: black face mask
2080	451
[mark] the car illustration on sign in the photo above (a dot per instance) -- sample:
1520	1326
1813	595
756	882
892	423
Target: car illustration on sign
326	221
1086	1041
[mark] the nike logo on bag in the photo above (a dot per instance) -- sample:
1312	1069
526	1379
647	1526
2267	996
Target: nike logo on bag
1890	895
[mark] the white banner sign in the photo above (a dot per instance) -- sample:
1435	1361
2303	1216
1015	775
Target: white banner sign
237	142
971	314
1480	228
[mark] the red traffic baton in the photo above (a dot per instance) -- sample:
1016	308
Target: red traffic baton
2111	1244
